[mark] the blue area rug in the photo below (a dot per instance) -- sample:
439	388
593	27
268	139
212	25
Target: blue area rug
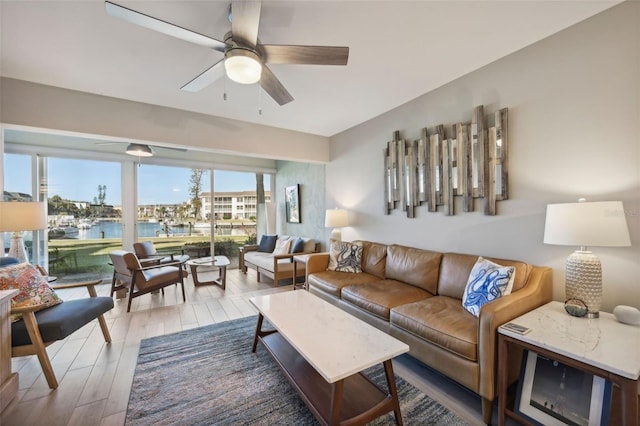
208	376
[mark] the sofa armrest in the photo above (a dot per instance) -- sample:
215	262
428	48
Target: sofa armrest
317	262
535	293
250	247
245	249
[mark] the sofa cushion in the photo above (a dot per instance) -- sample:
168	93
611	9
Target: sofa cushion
378	297
442	321
332	282
345	256
455	269
487	281
267	243
374	258
413	266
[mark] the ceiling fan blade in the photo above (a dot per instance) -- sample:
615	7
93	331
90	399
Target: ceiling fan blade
169	148
206	78
161	26
311	55
274	88
245	20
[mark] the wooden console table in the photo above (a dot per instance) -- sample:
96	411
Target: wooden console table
601	346
8	380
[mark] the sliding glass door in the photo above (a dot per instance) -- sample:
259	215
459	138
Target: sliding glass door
84	203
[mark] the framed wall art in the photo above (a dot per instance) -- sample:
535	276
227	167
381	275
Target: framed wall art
552	393
292	203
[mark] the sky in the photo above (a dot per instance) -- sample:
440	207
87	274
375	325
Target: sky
78	180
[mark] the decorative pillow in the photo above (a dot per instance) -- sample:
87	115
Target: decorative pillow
297	246
487	281
282	246
267	243
345	256
32	286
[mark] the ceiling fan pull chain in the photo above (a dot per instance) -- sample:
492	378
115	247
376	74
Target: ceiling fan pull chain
259	100
224	95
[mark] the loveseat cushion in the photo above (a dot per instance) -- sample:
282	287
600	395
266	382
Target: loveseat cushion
414	266
442	321
332	282
263	260
378	297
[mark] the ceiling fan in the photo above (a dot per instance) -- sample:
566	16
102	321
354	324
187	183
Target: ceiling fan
245	58
141	150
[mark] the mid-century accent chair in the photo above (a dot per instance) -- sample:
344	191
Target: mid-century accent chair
147	253
41	326
128	273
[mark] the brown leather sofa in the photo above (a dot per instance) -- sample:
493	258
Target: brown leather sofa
416	296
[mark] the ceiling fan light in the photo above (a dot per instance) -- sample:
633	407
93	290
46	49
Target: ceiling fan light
243	66
139	150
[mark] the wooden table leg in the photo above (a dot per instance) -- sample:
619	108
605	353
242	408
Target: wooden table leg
337	390
629	397
257	335
502	379
391	383
222	276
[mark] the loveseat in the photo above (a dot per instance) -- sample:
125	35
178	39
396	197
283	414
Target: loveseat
416	295
273	257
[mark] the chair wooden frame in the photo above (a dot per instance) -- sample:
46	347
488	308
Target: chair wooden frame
38	347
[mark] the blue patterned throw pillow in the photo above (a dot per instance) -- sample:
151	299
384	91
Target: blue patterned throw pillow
345	256
487	281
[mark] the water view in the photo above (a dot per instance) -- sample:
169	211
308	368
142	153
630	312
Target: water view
109	229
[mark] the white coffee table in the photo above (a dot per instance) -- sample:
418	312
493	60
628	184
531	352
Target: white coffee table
322	350
220	262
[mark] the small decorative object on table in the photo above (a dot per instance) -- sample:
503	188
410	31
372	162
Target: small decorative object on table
627	314
576	307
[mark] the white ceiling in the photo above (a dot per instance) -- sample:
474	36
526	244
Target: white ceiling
399	50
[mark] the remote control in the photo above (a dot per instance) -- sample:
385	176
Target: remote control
516	328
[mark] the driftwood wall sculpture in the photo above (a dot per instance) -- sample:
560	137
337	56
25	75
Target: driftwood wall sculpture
470	163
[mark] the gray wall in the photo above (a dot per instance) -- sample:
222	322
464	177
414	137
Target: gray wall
574	127
311	178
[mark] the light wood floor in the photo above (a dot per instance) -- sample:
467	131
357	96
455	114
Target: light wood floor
95	378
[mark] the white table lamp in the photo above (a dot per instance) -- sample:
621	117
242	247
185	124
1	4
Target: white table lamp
16	216
600	224
336	219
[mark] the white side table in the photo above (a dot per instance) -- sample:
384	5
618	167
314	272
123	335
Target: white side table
600	346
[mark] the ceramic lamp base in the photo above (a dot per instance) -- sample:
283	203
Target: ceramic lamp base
336	234
584	280
17	248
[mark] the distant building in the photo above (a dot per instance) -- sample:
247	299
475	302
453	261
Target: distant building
226	205
231	205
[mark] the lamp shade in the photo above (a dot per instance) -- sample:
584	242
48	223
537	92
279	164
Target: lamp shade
243	66
336	218
139	150
16	216
595	224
